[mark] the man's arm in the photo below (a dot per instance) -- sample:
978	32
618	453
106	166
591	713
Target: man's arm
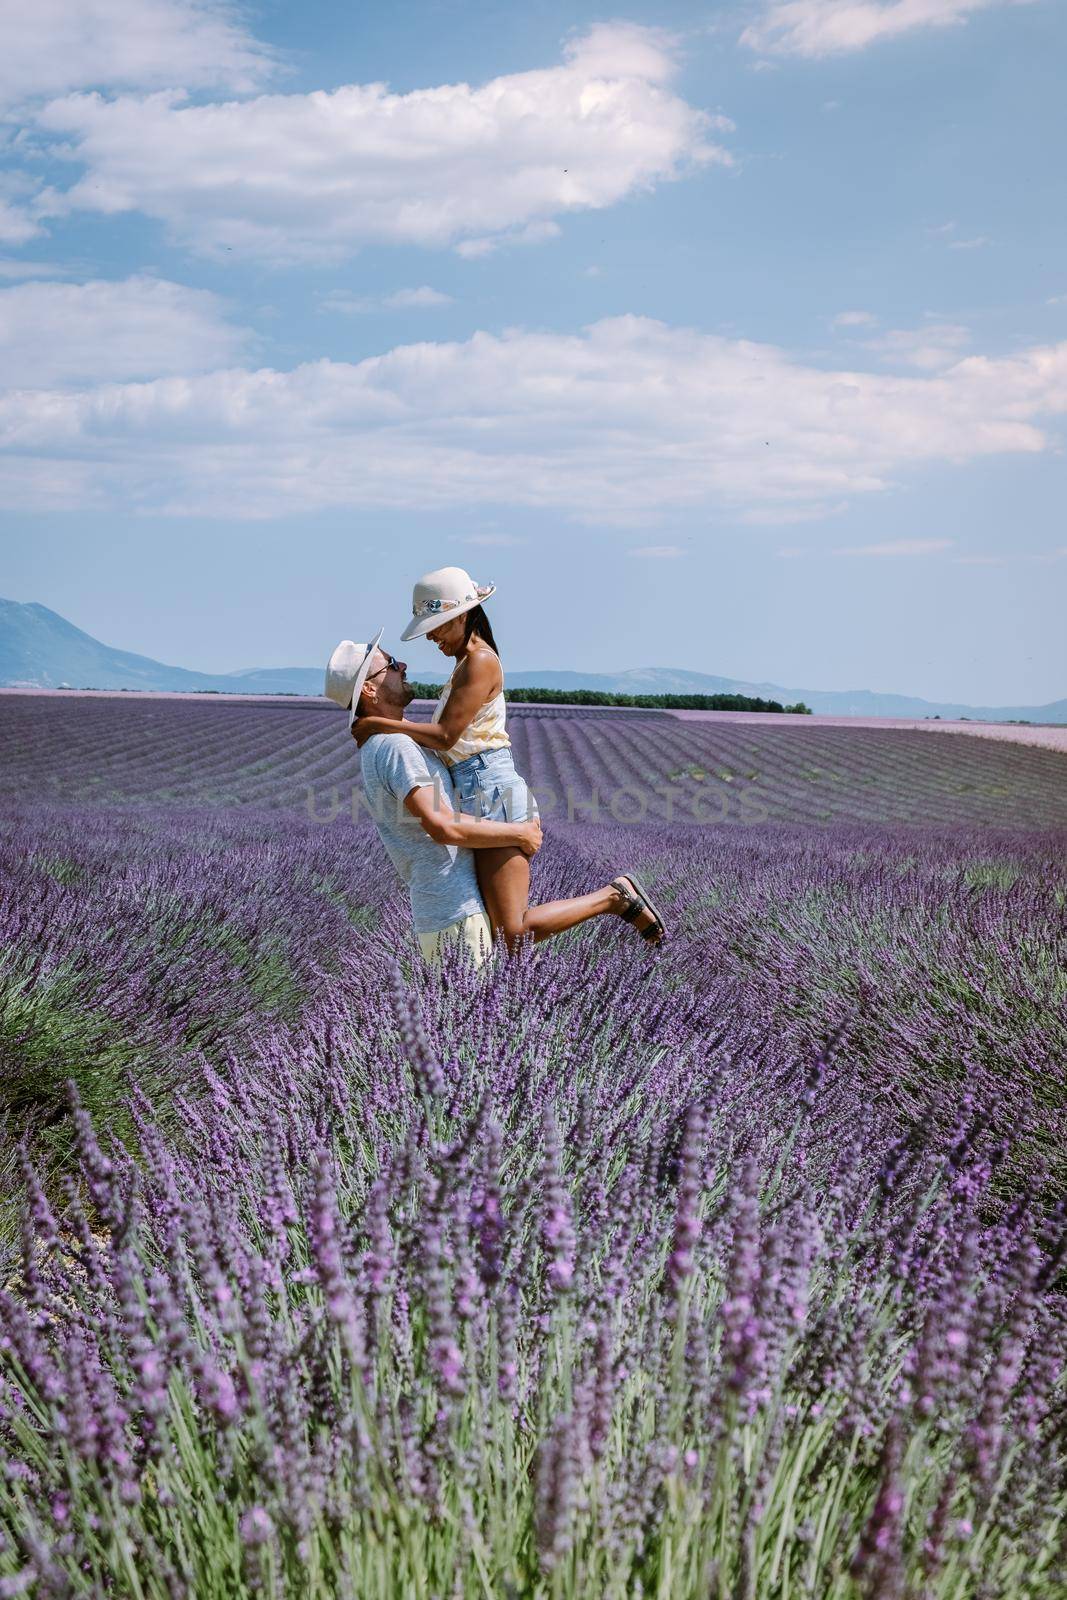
430	735
446	826
478	681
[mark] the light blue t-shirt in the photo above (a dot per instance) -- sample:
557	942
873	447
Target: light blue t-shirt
440	878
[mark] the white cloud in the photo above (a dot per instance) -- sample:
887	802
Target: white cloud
775	514
532	233
57	334
10	268
946	231
494	541
625	423
929	347
658	552
896	547
54	46
339	302
350	305
979	561
16	224
315	176
855	319
888	548
403	299
815	28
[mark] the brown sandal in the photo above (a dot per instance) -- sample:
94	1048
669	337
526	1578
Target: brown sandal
638	902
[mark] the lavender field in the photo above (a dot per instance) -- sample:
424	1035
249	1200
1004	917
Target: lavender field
730	1268
203	752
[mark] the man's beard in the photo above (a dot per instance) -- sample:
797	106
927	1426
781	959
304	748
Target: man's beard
409	694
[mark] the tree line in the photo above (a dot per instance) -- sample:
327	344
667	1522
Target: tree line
651	702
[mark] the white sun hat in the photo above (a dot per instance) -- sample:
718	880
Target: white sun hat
440	596
346	673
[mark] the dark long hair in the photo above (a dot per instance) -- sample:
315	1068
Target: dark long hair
478	622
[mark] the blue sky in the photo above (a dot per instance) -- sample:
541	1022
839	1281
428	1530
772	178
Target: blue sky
723	338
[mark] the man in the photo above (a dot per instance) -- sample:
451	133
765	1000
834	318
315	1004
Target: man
428	838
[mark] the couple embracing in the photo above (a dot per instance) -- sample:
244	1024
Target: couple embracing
458	822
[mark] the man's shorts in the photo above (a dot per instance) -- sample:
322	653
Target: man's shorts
473	932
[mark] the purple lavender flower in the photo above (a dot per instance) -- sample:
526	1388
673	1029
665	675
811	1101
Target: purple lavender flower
557	1230
879	1557
324	1239
742	1343
424	1064
680	1262
256	1527
555	1493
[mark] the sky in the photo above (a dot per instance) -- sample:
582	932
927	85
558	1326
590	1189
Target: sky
725	338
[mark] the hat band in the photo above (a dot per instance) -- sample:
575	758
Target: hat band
430	608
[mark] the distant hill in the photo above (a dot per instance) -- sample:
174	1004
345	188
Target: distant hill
40	649
826	702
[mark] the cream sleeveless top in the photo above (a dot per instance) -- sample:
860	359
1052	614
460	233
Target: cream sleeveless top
484	732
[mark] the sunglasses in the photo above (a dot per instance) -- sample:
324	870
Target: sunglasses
390	663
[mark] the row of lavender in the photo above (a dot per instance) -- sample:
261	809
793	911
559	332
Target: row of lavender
151	938
728	1269
101	751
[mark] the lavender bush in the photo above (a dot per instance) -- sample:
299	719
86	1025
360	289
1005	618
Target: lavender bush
144	942
730	1269
151	940
438	1306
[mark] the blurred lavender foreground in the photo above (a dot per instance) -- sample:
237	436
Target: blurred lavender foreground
730	1269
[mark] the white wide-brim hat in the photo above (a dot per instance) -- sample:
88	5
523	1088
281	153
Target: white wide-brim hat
346	673
440	596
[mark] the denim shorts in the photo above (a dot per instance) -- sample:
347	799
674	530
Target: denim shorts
488	786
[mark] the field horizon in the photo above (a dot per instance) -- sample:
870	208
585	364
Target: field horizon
40	649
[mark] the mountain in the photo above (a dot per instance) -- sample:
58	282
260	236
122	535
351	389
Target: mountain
827	702
40	649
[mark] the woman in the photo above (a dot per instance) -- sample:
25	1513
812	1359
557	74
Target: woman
468	731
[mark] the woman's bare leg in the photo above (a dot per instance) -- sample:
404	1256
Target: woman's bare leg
504	879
